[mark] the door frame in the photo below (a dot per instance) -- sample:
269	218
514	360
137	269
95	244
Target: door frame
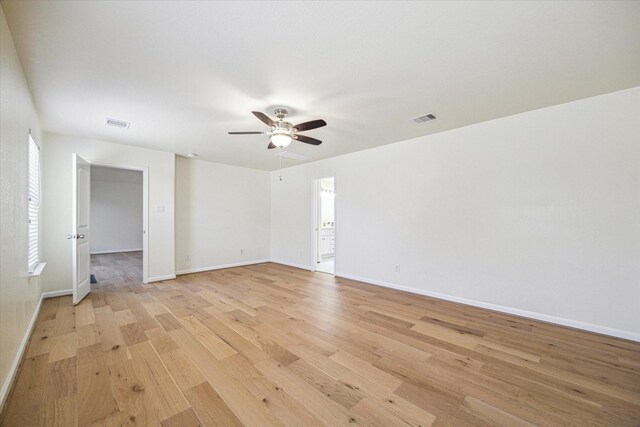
315	218
145	210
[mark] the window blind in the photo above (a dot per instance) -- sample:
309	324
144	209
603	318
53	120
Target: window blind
33	198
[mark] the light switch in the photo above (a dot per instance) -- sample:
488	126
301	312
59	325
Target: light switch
160	209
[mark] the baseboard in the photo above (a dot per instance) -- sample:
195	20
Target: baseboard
115	251
221	266
159	278
618	333
6	387
57	293
291	264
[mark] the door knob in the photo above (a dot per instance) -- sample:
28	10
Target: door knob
80	236
71	236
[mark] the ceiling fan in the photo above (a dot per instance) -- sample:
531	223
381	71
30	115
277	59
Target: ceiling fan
282	133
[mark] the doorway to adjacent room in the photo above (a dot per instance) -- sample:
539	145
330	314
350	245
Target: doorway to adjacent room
325	225
118	226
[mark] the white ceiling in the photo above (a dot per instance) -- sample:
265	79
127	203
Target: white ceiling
185	73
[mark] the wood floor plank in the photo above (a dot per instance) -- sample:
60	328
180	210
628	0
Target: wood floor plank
63	346
165	396
65	317
84	313
218	347
87	335
168	321
62	378
367	370
209	406
248	409
314	400
161	340
95	398
368	413
62	411
491	414
133	402
271	345
111	340
291	412
29	379
124	317
40	342
187	418
183	371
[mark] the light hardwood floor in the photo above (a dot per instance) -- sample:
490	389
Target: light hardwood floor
273	345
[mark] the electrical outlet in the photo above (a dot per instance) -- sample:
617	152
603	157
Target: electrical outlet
396	268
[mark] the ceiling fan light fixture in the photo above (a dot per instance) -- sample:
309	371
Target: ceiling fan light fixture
280	138
281	133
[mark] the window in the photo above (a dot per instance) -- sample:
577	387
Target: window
33	198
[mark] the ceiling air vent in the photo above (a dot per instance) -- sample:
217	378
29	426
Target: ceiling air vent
117	123
425	118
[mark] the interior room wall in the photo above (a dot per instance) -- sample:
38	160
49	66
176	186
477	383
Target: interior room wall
116	210
19	295
221	210
536	214
57	173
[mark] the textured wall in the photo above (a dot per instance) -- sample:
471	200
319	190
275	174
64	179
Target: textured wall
537	212
222	214
18	295
56	215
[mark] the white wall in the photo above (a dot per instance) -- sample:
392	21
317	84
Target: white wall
19	296
58	207
536	213
116	210
220	210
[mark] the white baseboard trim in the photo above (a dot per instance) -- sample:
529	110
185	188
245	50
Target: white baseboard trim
57	293
115	251
221	266
159	278
6	387
618	333
291	264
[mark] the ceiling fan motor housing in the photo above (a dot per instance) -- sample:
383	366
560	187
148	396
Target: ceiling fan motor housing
281	113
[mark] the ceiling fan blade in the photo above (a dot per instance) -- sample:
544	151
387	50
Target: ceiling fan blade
307	139
271	145
246	133
313	124
263	118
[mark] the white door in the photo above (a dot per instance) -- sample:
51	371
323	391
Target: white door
80	238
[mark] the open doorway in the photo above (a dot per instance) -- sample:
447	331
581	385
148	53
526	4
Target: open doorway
325	241
118	229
